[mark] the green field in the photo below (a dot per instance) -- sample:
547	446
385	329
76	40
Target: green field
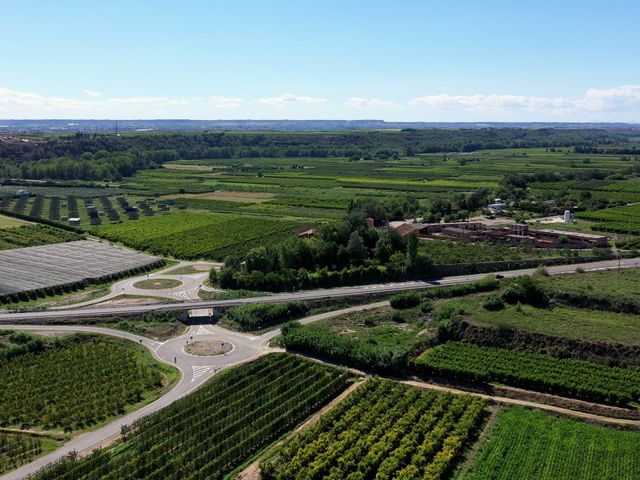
447	252
530	444
569	377
564	322
74	382
191	235
614	284
382	430
212	431
624	219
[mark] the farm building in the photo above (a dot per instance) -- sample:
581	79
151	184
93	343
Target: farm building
459	233
578	238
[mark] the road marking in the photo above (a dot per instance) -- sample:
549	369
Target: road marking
203	331
199	371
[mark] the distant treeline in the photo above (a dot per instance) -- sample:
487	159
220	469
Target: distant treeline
106	157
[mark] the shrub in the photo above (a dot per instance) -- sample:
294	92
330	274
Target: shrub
426	307
398	317
493	302
405	300
526	290
213	276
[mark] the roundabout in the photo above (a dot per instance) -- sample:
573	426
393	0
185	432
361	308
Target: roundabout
207	348
158	284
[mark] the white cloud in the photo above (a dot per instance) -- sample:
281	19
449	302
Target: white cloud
92	93
611	104
359	102
12	99
157	101
290	98
488	103
616	99
596	103
225	102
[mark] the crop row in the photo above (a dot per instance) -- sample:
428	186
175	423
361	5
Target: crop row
194	235
16	450
528	444
382	430
616	214
576	378
208	433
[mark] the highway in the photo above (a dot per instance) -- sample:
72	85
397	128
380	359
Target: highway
320	294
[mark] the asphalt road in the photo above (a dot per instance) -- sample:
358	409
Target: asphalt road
361	290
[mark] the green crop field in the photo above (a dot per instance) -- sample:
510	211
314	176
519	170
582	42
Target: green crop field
74	382
191	235
382	430
576	378
530	444
34	235
215	429
624	219
16	449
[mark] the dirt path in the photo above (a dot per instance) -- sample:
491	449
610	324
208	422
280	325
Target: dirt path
526	403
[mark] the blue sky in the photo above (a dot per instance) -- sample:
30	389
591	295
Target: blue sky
394	60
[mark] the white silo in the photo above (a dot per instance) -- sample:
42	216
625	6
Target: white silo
567	216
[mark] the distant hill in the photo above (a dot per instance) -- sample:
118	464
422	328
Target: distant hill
69	126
